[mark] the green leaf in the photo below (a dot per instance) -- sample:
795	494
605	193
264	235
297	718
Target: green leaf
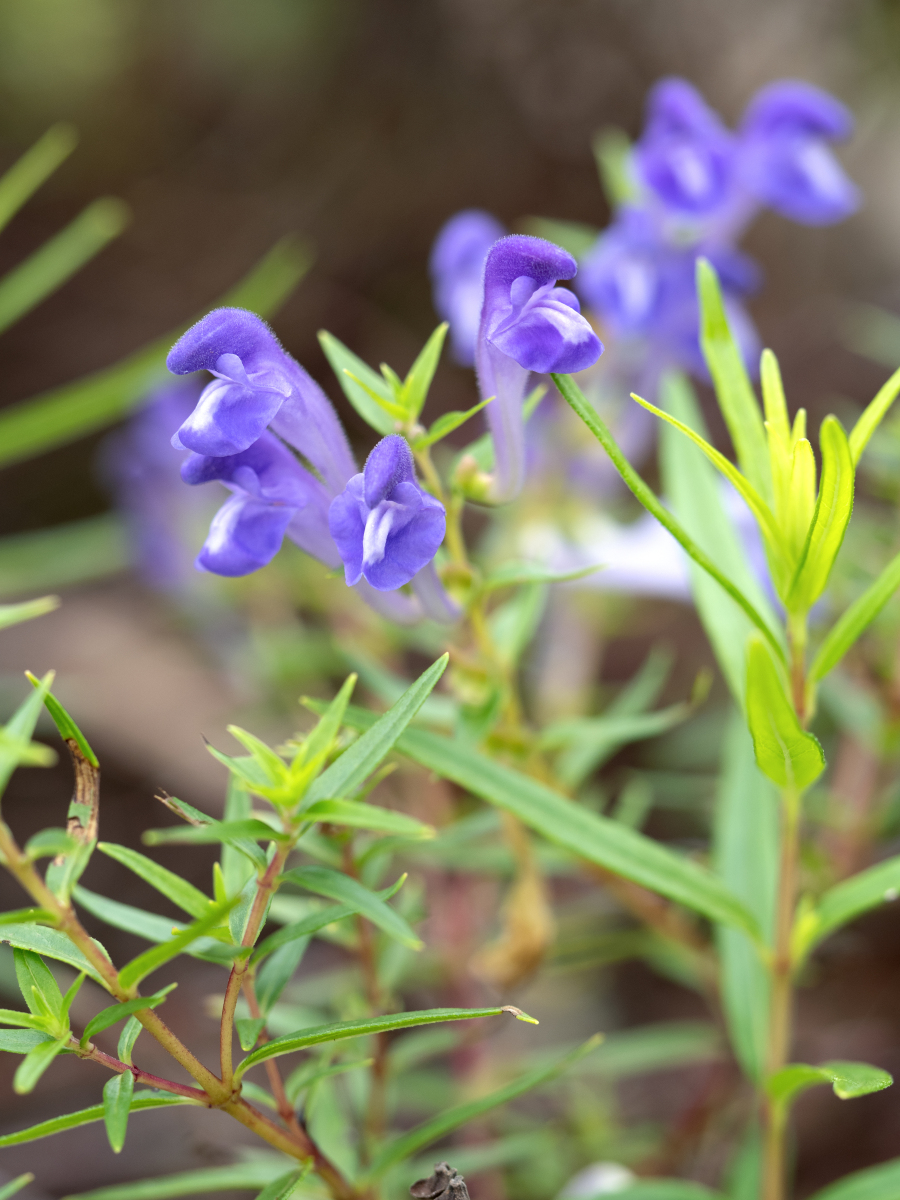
229	832
48	942
660	1046
16	739
591	740
573	395
278	970
176	889
337	886
765	518
421	373
118	1093
236	870
445	424
834	508
117	1012
68	730
127	1039
734	391
57	417
343	360
151	960
363	1027
248	1030
437	1128
33	1066
514	623
582	832
669	1189
515	574
354	766
368	816
247	1176
285	1187
39	989
35	166
845	901
63	554
691	485
15	1185
12	1016
14	614
746	842
58	259
785	752
20	1041
613	155
49	843
150	926
854	620
95	1113
872	416
318	745
314	922
849	1080
881	1182
575	236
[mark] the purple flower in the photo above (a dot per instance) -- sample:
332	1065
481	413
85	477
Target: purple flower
257	385
273	495
785	160
385	526
527	324
457	274
685	153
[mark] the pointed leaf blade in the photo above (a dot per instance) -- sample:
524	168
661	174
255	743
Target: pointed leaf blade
785	752
343	360
172	886
834	509
117	1096
337	886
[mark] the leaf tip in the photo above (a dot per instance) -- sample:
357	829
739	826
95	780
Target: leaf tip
519	1015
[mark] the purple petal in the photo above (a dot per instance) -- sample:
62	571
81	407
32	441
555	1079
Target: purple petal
233	410
792	106
390	463
410	549
518	255
267	470
346	522
457	269
244	536
548	335
222	331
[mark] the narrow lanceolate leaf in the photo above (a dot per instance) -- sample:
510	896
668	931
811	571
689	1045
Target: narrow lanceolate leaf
515	574
228	832
584	833
314	922
765	518
785	752
117	1096
59	416
34	1064
16	1185
693	488
337	886
855	620
151	960
117	1012
149	925
873	416
86	1116
357	390
14	614
421	373
178	890
834	508
445	424
26	285
734	391
68	730
39	989
874	1183
250	1176
48	942
848	1079
432	1131
358	762
35	166
367	816
573	395
364	1027
20	1041
16	740
320	742
846	901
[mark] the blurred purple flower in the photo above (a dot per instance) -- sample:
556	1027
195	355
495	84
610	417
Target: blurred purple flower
785	161
457	274
141	469
685	154
386	527
527	324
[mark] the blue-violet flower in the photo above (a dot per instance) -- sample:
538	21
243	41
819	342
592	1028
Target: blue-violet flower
456	266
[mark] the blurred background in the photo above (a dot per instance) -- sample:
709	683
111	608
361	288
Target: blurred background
362	126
